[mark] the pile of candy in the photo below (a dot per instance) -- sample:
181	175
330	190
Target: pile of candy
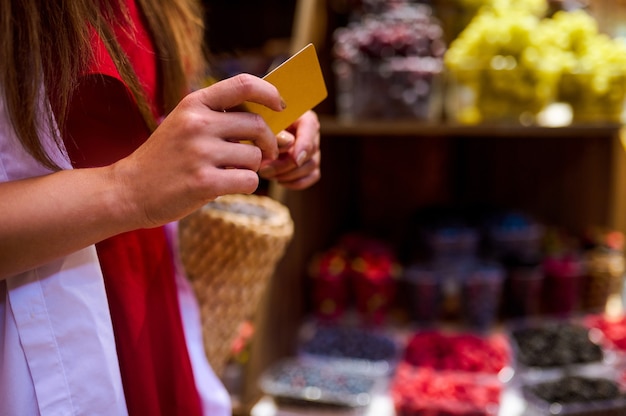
358	269
450	374
290	378
348	342
460	352
386	62
613	329
555	344
577	395
418	391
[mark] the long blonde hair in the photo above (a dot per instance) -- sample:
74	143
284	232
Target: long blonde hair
31	64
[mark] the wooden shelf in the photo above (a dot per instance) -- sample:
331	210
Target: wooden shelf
332	126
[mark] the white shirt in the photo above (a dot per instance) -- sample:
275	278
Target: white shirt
57	349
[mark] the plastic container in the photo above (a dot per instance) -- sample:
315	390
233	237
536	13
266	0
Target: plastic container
392	88
515	236
426	294
582	393
349	349
524	287
481	291
548	348
374	281
293	380
388	63
609	331
426	392
604	277
330	276
563	281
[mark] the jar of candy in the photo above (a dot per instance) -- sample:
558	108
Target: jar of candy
374	278
481	292
330	278
524	286
426	293
563	276
605	271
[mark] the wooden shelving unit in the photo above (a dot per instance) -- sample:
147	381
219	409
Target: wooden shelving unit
377	174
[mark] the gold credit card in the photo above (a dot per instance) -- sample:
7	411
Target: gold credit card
301	85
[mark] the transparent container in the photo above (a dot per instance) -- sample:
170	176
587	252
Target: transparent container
426	294
549	348
424	392
563	280
348	348
604	277
316	384
391	88
595	392
481	292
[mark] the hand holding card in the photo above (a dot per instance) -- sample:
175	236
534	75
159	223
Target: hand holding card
301	84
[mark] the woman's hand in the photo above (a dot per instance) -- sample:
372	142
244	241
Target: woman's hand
298	166
195	155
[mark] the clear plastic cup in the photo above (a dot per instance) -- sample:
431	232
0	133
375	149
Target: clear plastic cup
425	297
481	291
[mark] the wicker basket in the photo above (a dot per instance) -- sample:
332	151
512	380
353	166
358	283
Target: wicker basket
230	248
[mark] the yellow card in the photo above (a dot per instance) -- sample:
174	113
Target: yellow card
301	84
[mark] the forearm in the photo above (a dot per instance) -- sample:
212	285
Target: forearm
47	217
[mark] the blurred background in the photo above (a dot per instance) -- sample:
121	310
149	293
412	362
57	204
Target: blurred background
463	253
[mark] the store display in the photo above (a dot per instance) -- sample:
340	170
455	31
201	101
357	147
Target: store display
426	294
524	287
522	62
359	269
388	64
458	373
563	279
605	268
515	236
420	391
481	290
510	63
316	384
458	351
374	281
350	349
492	78
552	344
453	247
612	330
576	395
594	67
330	274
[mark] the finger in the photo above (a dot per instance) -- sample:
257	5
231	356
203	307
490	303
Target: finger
238	155
302	182
234	91
284	170
299	172
233	181
285	140
307	139
242	126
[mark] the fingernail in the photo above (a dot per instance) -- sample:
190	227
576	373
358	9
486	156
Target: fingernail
301	158
283	104
267	171
284	139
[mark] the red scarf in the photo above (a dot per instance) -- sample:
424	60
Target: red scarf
105	125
